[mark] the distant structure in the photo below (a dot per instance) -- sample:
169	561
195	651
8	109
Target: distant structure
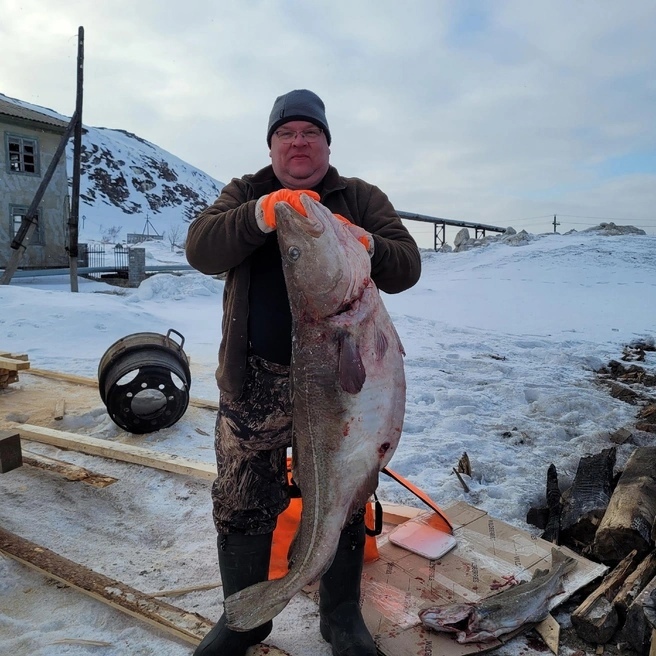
29	141
134	238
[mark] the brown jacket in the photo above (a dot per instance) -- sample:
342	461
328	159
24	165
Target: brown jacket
225	235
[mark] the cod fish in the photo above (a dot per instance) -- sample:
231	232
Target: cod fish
348	387
503	612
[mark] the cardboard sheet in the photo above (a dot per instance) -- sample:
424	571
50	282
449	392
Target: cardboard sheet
490	555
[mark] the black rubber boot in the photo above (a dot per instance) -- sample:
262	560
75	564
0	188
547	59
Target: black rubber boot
341	621
243	561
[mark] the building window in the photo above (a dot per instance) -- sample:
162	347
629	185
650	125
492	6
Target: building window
17	214
23	155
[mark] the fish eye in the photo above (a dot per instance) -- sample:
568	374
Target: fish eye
294	252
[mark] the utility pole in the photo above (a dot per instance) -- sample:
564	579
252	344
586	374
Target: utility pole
73	220
555	223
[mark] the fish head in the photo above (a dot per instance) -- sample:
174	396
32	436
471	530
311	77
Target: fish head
326	268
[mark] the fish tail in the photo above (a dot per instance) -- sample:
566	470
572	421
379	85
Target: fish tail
560	559
255	605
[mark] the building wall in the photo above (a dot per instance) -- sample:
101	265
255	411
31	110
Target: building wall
19	189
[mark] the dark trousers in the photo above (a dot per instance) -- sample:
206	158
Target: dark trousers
251	440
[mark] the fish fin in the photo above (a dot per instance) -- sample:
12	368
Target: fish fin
351	368
253	606
540	574
381	343
398	341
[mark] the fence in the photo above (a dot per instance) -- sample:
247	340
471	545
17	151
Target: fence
94	257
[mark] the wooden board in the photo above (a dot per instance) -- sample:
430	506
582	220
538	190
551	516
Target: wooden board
13	364
182	624
118	451
69	471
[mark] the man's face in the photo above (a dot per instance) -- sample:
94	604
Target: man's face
299	164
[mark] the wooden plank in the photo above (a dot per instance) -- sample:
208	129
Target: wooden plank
15	356
93	382
69	378
549	631
69	471
634	584
59	410
392	513
13	364
190	627
596	619
638	627
119	451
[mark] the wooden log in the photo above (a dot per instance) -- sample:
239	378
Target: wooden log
552	529
7	378
640	617
596	619
627	523
119	451
69	471
190	627
634	584
586	501
10	451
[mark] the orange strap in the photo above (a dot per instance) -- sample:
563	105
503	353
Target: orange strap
286	530
443	522
288	524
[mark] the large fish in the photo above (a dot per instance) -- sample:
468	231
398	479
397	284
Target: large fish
348	388
503	612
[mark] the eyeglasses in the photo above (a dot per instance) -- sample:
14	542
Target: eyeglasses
288	136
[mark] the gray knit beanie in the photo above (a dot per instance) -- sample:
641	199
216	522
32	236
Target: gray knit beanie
298	105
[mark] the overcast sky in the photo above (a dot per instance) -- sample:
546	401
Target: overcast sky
496	112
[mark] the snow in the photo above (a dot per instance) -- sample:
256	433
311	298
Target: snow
502	345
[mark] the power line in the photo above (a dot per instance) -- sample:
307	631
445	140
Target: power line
600	218
533	218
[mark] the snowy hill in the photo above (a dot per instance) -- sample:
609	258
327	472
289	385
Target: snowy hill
126	180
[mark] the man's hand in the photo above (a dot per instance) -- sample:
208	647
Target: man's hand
265	214
364	237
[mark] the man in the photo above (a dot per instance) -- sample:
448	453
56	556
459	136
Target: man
253	429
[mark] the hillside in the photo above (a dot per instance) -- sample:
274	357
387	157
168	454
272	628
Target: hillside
126	180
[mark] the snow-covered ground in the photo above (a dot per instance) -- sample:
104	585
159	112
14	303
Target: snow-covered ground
502	345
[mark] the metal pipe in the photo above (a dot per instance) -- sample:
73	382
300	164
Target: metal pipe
37	273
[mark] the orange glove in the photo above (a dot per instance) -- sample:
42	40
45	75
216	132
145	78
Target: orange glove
265	210
359	233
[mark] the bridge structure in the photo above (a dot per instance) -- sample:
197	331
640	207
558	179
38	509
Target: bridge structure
439	226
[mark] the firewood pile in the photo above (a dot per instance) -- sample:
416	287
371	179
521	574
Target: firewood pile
610	517
10	365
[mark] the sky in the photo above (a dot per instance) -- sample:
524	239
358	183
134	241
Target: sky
502	344
503	113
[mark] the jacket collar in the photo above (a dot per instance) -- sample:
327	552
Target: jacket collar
264	181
